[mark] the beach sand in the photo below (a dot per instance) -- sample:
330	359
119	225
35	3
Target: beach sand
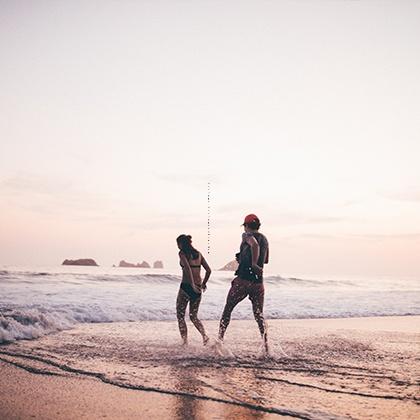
318	369
25	395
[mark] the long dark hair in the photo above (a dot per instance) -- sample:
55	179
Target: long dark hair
185	244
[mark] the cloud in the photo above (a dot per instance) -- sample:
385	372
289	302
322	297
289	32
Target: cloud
316	236
366	236
33	184
381	236
271	216
52	198
350	203
168	221
240	207
411	194
301	218
49	196
189	179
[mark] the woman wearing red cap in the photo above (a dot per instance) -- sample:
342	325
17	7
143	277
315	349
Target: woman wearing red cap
249	281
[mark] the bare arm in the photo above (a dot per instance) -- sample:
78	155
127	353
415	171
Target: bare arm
264	255
255	253
208	272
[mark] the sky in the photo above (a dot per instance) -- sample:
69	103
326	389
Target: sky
115	116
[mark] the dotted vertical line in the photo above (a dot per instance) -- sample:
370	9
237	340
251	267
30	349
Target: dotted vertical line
208	218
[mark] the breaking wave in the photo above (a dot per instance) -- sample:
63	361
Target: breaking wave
35	303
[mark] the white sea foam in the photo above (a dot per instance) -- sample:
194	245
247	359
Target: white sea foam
37	302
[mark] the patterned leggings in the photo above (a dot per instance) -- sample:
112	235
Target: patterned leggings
239	290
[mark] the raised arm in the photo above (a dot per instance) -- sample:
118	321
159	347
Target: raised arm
208	272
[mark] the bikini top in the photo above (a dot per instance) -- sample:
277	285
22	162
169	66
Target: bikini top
192	265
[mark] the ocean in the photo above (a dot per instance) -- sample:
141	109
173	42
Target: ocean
38	301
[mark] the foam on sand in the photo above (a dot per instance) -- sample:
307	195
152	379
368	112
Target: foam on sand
337	368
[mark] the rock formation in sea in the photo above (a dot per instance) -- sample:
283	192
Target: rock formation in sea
230	266
144	264
158	264
81	261
126	264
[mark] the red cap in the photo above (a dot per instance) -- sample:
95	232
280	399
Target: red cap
250	218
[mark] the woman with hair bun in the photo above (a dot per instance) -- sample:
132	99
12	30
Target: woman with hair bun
191	287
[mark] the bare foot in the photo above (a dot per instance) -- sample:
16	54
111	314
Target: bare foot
221	350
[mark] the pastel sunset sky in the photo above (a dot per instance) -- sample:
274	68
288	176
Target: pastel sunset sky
114	116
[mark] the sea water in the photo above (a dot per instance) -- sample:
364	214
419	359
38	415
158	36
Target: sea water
38	301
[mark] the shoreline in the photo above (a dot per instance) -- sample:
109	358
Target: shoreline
349	319
351	367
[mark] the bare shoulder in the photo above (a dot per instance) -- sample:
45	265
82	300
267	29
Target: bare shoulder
250	239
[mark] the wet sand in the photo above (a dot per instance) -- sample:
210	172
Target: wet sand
25	395
335	368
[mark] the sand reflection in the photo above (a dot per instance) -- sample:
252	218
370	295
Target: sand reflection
190	381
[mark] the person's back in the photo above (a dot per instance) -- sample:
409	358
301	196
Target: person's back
195	265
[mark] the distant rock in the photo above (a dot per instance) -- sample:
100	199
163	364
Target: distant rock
158	264
144	264
126	264
230	266
82	261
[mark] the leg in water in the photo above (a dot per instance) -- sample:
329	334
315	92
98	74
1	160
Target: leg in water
238	292
257	298
181	306
194	306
